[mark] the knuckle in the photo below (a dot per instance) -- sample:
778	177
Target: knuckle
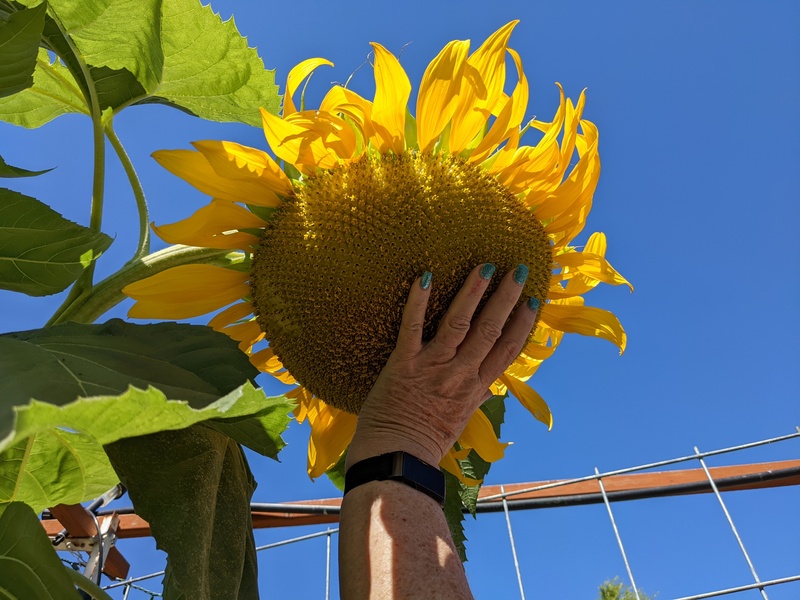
459	323
412	326
490	330
507	351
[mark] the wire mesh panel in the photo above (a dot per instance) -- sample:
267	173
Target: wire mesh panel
712	538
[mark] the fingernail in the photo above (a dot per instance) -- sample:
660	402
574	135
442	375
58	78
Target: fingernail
425	282
487	270
533	304
521	274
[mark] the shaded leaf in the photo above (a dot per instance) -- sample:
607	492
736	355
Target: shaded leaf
41	252
336	472
194	488
19	45
55	92
198	369
454	513
29	566
7	170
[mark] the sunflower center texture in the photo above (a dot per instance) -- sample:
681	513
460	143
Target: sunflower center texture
333	270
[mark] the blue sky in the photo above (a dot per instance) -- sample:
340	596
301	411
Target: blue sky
696	103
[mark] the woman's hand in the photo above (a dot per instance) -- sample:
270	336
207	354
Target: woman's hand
427	392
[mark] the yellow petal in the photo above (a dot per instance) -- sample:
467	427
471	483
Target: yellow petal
438	92
332	431
585	320
482	85
215	225
342	100
304	401
247	334
510	116
242	163
230	315
195	169
296	77
186	291
309	140
530	399
450	465
592	266
392	89
479	435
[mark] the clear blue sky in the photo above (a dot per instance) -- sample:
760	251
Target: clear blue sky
697	107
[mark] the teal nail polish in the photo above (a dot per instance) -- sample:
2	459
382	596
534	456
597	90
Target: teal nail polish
533	304
425	282
521	274
487	270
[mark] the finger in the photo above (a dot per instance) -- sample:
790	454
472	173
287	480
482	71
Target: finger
510	343
409	340
456	322
488	326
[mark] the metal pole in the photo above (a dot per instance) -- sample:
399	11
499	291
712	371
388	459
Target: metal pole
513	545
616	533
328	565
730	521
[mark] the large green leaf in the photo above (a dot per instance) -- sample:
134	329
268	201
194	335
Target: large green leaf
174	52
29	566
19	45
51	434
194	488
7	170
41	252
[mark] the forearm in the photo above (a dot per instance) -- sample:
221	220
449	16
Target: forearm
394	543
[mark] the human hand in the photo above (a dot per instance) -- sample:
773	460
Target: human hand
427	392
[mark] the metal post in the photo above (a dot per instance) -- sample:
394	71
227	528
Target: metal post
730	522
616	533
328	565
513	545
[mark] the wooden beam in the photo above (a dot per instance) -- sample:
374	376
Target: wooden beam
79	523
134	526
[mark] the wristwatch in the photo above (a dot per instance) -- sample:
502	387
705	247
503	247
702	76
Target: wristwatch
398	466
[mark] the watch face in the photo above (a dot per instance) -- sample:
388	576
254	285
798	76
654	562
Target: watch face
424	475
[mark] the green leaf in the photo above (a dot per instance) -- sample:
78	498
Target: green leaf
336	472
194	489
453	512
7	170
19	45
174	52
29	566
55	92
209	69
41	252
51	447
52	467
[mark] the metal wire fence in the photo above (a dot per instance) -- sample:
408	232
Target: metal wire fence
547	495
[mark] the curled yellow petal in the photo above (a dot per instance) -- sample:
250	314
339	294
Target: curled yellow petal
482	85
195	169
215	225
296	76
242	163
247	334
530	399
186	291
392	89
479	435
230	315
438	92
592	266
585	320
331	433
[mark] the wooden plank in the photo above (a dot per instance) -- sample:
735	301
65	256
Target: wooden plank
135	526
79	523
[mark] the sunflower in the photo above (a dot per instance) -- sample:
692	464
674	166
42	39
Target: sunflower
360	199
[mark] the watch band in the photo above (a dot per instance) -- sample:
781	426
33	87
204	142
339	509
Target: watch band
397	466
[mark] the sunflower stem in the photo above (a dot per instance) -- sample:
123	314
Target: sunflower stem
138	193
108	293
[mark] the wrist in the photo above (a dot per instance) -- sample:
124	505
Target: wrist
367	444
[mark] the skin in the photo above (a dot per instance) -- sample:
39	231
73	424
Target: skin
394	541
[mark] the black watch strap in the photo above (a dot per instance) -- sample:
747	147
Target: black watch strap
397	466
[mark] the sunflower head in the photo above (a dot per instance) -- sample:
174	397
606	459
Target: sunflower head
363	198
